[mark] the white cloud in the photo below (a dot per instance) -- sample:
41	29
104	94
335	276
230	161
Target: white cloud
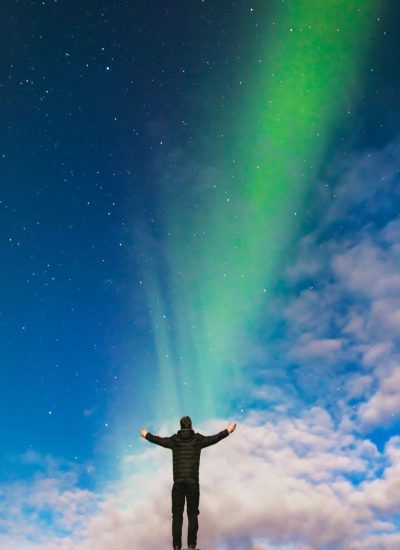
316	349
358	385
342	310
268	485
384	405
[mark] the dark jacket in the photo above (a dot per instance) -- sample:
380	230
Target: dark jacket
186	447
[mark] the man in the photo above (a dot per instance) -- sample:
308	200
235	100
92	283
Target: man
186	447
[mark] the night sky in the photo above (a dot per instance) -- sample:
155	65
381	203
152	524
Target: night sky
200	216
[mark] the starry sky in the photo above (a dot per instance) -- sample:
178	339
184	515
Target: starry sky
200	216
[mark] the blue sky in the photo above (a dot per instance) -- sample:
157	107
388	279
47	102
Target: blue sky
320	425
314	460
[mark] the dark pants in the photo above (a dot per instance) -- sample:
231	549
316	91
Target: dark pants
190	490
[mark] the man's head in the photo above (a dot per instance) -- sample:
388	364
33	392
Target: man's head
186	422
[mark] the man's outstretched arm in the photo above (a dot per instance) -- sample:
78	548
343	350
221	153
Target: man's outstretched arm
163	441
208	440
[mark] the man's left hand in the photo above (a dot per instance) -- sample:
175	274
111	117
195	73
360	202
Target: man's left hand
143	432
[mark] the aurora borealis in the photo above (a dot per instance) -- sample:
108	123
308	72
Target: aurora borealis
199	211
223	248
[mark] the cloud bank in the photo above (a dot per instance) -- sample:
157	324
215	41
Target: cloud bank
269	484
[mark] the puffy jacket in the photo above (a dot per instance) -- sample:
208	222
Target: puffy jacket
186	447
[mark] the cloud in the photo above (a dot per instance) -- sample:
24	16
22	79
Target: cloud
351	317
271	485
358	385
384	405
340	342
317	349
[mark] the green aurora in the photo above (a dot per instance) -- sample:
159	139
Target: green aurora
227	233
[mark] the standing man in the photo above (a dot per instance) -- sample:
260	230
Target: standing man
186	447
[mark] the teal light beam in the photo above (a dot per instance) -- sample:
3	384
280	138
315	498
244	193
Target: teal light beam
227	233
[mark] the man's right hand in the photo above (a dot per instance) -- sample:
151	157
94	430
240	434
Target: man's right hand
231	427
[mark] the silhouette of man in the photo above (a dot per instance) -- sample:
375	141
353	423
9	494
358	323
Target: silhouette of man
186	447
